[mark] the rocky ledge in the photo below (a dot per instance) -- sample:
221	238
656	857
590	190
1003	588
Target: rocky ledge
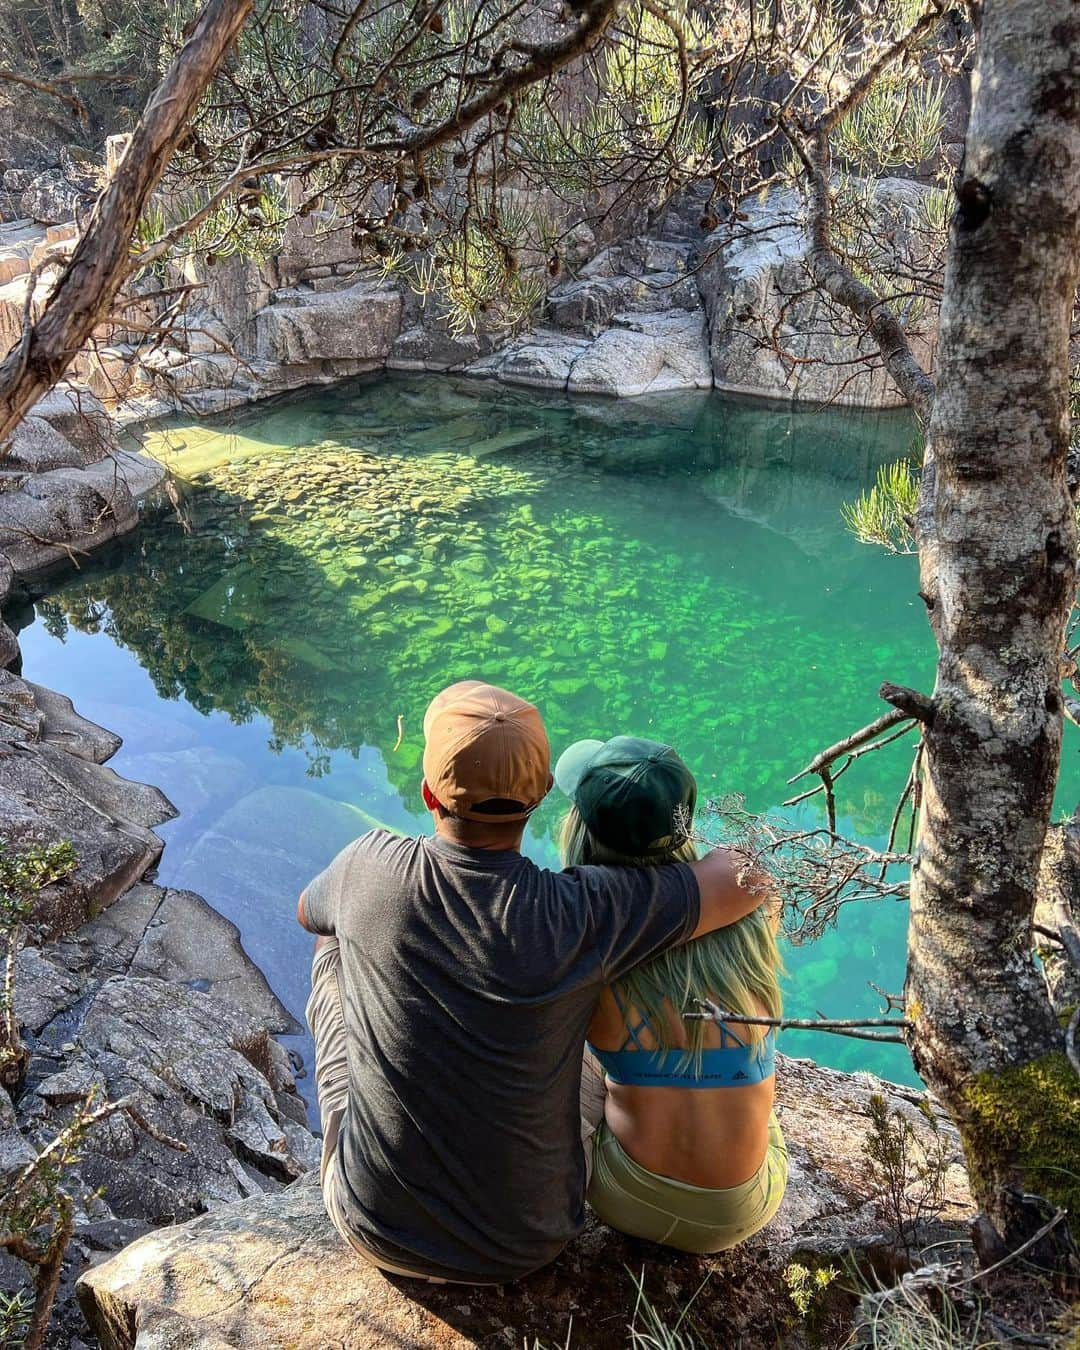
66	488
270	1272
132	990
629	313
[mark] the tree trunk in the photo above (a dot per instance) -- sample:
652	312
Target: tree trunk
99	263
999	571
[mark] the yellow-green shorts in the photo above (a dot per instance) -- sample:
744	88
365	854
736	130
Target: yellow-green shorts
692	1219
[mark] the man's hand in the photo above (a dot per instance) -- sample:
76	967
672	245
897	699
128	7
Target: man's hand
731	887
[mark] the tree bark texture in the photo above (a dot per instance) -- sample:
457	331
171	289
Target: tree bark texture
98	265
999	571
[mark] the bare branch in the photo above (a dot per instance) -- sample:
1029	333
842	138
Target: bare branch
98	263
857	738
908	701
843	1026
845	287
44	87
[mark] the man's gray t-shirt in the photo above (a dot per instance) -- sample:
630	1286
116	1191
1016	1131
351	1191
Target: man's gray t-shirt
468	978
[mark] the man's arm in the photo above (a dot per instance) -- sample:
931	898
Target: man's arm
731	887
301	914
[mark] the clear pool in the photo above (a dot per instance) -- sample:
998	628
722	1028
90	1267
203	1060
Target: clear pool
676	568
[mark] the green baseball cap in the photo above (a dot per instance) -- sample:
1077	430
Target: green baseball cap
636	796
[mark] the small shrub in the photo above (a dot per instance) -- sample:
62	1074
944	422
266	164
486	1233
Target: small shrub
908	1174
806	1286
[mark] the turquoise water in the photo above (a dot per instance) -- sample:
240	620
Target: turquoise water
676	568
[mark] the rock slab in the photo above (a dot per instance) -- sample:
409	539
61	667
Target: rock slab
271	1272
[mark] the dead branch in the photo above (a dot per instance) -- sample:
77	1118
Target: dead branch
44	87
844	286
545	59
908	701
98	263
837	1026
857	738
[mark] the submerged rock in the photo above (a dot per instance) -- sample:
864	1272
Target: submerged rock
271	1272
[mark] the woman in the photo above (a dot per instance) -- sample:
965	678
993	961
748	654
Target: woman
687	1150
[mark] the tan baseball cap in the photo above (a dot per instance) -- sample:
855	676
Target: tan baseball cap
485	745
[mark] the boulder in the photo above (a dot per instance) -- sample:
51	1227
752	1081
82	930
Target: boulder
80	417
646	354
111	372
592	304
9	648
540	361
32	714
176	936
63	512
774	335
589	305
271	1272
199	1068
52	196
199	331
18	240
20	717
316	240
62	727
184	373
427	346
48	795
153	999
359	323
37	445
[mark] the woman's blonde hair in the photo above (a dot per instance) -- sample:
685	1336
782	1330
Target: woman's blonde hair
738	966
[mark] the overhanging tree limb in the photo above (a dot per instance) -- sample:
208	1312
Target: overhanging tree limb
98	264
841	283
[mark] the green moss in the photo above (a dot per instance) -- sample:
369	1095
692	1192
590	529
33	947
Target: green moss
1030	1115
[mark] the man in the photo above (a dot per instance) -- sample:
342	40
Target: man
451	990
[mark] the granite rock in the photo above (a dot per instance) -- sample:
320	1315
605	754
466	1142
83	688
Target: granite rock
772	332
271	1272
359	323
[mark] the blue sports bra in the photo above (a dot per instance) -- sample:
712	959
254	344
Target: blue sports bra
733	1063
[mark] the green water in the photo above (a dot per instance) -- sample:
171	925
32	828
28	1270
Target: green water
676	568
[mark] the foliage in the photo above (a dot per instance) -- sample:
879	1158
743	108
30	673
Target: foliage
885	514
476	275
806	1286
251	227
895	125
648	1328
331	103
15	1312
908	1174
906	1318
22	875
